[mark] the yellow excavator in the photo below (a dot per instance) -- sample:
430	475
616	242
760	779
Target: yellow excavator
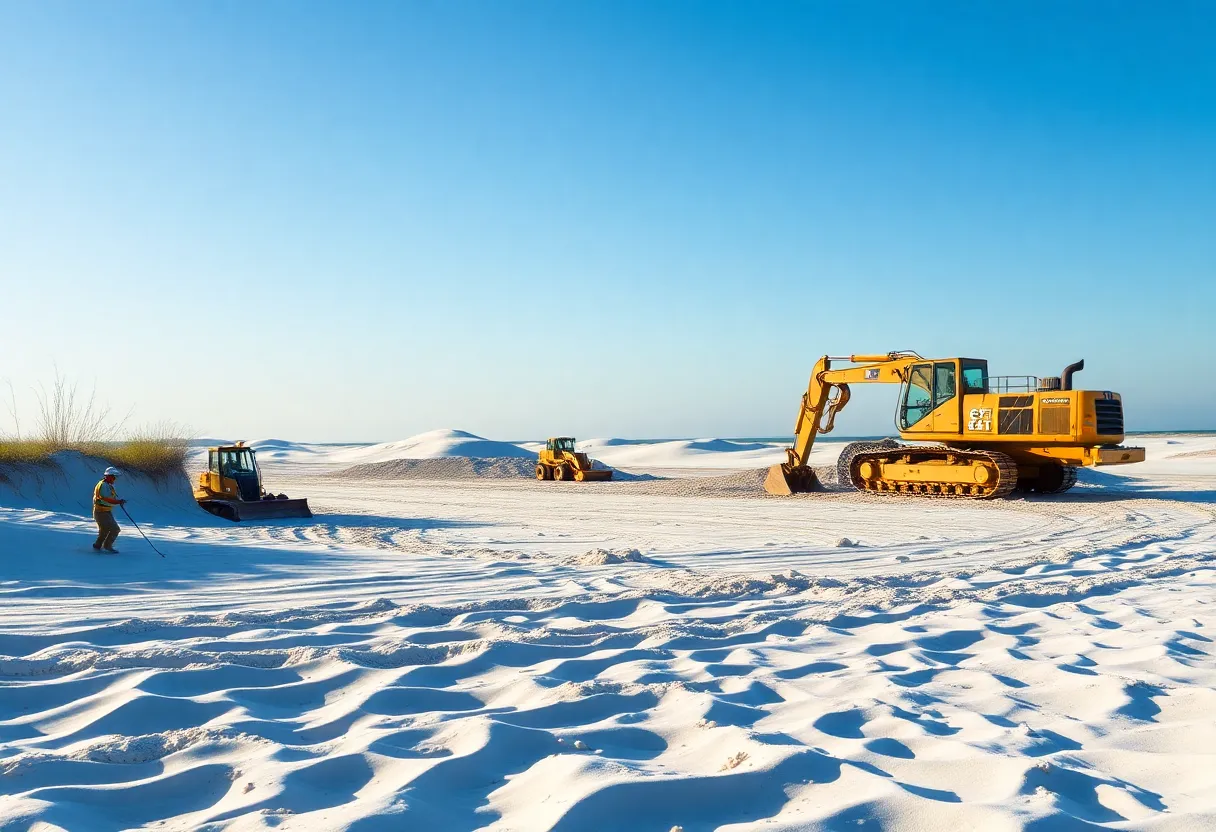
972	435
231	488
559	461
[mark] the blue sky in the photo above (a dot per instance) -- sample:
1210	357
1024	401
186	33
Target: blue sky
360	221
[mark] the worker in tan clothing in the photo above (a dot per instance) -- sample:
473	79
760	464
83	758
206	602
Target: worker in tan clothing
104	500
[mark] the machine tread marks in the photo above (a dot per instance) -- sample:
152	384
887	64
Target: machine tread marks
1006	482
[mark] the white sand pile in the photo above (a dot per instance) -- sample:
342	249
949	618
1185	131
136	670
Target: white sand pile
435	444
66	484
604	557
684	453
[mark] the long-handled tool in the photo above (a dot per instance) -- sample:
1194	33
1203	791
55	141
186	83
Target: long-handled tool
141	531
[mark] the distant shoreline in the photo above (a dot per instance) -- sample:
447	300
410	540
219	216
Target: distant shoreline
203	443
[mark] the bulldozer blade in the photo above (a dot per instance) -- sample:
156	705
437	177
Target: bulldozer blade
253	511
593	475
272	509
781	483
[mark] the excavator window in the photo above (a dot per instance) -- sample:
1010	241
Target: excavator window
943	383
564	445
918	396
213	461
975	378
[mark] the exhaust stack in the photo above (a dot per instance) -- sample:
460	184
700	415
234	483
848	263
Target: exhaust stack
1066	376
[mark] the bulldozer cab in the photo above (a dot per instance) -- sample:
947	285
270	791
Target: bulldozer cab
561	444
236	461
238	465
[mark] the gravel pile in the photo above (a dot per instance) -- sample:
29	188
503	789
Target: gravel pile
459	468
444	468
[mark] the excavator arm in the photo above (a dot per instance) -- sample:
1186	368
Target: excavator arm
826	395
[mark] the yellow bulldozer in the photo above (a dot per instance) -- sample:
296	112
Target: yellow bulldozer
971	435
231	488
559	461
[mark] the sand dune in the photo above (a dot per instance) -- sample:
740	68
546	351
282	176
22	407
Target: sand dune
499	654
433	445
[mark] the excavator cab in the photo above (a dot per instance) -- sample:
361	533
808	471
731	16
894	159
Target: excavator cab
928	391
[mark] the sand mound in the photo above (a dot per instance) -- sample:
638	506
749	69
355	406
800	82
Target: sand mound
435	444
66	485
683	453
605	557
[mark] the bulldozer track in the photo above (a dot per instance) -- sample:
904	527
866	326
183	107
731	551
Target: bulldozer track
1006	482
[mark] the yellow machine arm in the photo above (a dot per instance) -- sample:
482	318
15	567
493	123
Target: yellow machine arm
826	395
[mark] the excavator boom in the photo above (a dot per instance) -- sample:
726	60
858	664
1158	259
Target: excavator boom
826	395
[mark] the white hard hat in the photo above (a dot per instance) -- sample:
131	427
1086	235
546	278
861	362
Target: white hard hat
112	471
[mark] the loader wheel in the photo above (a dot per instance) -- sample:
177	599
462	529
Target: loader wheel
561	472
542	472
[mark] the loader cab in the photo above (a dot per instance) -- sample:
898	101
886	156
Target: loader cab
927	402
560	444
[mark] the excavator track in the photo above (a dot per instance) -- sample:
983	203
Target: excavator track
1070	479
844	463
933	471
1052	479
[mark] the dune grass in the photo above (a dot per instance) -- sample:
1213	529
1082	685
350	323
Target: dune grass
154	458
69	421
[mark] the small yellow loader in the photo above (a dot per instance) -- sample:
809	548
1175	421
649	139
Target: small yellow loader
559	461
965	433
231	488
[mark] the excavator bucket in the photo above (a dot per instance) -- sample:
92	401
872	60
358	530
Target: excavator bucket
255	510
593	475
783	480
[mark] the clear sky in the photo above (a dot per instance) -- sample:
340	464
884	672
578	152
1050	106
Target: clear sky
359	221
